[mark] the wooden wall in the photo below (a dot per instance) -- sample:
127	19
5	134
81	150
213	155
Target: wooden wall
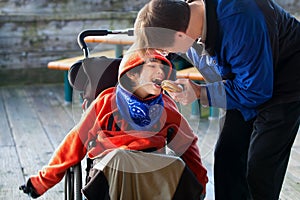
34	32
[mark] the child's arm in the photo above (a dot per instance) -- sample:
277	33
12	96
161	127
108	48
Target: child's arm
70	152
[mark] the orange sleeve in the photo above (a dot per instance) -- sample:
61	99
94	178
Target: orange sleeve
70	152
66	155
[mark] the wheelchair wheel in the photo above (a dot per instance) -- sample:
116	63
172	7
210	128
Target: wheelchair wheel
73	183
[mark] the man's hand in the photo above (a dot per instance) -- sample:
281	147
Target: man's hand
191	92
29	189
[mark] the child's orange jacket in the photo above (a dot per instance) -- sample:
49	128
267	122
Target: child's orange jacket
94	126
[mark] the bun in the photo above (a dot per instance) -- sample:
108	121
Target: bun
170	86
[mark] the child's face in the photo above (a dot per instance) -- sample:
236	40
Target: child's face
146	81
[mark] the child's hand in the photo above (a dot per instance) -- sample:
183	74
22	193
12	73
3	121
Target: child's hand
29	189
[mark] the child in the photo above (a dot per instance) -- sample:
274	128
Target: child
120	117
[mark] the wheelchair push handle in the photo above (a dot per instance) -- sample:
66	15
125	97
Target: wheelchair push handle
86	33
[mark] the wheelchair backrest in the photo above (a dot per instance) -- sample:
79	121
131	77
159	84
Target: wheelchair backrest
93	75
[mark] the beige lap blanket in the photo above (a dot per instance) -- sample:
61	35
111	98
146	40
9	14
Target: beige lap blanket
135	175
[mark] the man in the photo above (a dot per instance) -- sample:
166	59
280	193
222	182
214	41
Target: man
251	62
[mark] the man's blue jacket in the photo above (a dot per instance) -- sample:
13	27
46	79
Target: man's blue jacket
254	47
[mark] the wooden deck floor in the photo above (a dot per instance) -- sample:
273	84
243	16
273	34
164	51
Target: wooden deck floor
33	121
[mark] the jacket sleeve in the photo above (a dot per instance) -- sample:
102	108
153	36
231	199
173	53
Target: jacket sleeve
250	56
70	152
245	52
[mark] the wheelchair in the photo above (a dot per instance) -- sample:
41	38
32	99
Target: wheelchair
90	78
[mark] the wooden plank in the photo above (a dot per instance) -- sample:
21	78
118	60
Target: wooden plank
65	64
121	39
9	165
49	111
28	76
291	186
290	189
10	174
206	143
33	146
190	73
5	133
295	155
74	110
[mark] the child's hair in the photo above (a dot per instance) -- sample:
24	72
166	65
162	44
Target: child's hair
126	81
158	21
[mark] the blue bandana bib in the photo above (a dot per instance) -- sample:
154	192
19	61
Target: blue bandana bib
141	115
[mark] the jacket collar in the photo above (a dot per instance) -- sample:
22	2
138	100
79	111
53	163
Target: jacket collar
212	26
